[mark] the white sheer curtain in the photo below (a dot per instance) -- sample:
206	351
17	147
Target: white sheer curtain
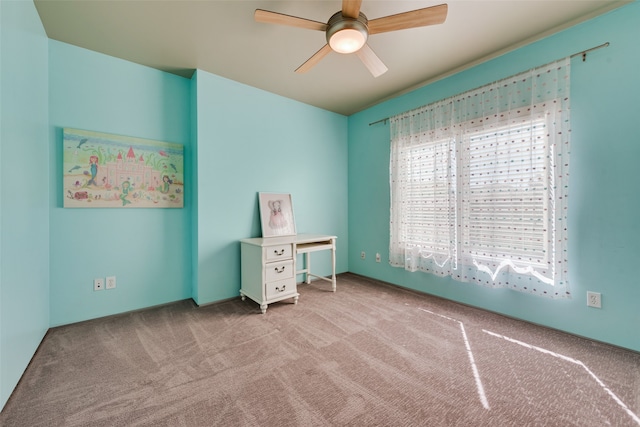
479	184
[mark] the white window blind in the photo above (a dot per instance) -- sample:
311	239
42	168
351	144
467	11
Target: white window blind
506	203
429	211
479	184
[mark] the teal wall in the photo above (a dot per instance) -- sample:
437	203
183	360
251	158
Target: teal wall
148	250
250	141
24	173
604	197
238	141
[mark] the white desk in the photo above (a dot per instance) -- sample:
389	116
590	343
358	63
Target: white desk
269	264
307	243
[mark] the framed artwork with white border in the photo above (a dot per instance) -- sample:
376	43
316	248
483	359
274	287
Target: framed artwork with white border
276	214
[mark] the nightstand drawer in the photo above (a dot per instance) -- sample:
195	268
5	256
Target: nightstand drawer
278	271
275	253
281	288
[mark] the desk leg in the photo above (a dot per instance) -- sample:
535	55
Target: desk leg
333	265
307	266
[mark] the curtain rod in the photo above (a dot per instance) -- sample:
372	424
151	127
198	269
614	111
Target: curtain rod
584	52
584	58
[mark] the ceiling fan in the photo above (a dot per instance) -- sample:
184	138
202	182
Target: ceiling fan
347	31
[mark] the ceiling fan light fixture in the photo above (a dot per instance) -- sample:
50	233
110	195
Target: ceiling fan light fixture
347	41
347	30
347	35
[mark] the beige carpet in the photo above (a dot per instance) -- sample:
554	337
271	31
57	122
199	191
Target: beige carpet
370	354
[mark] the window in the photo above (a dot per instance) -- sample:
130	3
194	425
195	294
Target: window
479	182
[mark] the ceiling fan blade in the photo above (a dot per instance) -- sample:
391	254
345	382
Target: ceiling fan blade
324	51
293	21
351	8
416	18
371	61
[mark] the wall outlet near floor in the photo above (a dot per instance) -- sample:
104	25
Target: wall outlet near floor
98	284
362	255
111	282
594	299
377	257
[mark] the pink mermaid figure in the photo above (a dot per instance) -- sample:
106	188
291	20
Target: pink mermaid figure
277	219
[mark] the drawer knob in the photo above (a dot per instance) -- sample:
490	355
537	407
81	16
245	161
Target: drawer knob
278	252
279	270
281	289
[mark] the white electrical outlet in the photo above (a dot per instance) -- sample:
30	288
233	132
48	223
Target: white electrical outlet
377	257
362	255
111	282
594	299
98	284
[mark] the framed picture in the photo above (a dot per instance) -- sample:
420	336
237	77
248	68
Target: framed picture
103	170
276	214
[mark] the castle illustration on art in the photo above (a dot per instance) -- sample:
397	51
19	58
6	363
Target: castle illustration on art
132	169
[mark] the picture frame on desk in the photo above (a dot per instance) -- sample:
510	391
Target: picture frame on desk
276	214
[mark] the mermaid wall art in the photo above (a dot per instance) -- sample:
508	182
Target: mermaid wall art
102	170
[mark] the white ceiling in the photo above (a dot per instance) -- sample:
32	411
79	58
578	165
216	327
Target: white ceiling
221	37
